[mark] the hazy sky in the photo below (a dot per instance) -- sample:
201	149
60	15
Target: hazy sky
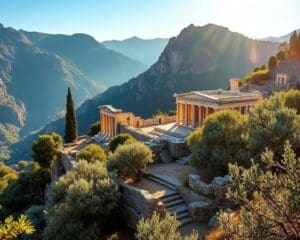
120	19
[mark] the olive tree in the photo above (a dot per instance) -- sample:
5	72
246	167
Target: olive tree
120	139
269	201
157	228
221	140
80	202
92	153
131	159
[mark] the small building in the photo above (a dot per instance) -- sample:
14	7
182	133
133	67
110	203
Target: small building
111	118
193	107
282	79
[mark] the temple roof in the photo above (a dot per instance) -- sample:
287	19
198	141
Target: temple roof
219	95
111	108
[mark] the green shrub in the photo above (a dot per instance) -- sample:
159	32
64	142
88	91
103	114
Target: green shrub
131	159
221	140
81	202
92	153
157	228
258	77
46	149
94	128
119	140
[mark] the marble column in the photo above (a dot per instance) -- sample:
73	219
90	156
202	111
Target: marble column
200	116
178	113
186	115
193	115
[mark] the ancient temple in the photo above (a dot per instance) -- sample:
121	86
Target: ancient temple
193	107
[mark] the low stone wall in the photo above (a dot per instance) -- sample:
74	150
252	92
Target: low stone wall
139	135
138	204
205	199
177	149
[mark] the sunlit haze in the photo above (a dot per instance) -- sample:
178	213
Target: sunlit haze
119	19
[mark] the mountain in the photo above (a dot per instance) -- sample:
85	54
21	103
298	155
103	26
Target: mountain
146	51
104	66
279	39
36	70
198	58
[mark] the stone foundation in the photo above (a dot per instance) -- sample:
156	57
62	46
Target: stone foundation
138	204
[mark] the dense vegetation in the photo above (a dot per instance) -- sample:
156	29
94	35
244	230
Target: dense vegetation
157	228
228	137
270	206
120	139
286	51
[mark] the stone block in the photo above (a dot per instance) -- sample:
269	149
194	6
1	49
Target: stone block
202	210
213	222
196	184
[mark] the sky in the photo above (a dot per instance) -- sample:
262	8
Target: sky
121	19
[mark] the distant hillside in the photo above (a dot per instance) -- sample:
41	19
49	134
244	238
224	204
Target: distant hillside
37	68
279	39
104	66
198	58
146	51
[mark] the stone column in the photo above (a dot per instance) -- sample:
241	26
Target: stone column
177	113
193	115
186	115
200	116
206	112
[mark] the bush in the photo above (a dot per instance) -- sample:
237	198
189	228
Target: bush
271	124
269	201
10	228
222	139
80	202
46	149
37	216
28	189
157	228
7	176
94	128
258	77
131	159
92	153
119	140
291	99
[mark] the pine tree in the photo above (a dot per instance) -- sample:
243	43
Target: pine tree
71	123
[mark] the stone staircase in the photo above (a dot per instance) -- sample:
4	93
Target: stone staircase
173	202
183	161
101	138
165	156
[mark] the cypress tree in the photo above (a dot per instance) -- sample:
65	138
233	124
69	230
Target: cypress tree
71	123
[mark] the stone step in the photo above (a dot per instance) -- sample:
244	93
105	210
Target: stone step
171	198
182	215
178	209
163	180
165	184
185	221
174	203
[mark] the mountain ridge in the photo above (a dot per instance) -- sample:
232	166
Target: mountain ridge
198	58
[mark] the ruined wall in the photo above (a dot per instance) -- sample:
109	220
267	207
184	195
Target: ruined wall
138	204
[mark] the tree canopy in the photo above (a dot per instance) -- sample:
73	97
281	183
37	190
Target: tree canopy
270	206
221	140
80	202
46	149
92	153
131	159
157	228
119	140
